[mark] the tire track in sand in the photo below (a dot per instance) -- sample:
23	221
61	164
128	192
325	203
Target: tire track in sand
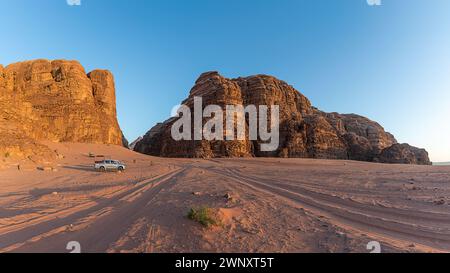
94	235
387	223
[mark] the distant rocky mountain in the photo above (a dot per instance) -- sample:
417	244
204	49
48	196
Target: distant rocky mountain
133	144
305	131
441	163
55	101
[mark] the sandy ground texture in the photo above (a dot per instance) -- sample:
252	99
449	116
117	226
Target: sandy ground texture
264	205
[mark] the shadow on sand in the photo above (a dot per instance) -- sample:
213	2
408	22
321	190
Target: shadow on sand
86	168
36	193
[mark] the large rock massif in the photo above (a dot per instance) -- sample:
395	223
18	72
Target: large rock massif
305	131
55	101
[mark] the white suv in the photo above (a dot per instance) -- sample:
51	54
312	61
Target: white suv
109	165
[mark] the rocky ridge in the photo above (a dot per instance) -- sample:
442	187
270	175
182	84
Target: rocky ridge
305	131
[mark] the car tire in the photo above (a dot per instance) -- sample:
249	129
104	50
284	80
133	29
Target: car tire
102	169
120	169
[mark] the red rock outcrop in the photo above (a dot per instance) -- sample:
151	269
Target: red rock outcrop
404	154
56	101
304	130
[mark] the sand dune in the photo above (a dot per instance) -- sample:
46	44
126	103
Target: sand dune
266	205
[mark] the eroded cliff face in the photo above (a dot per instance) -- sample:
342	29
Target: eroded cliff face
55	101
305	131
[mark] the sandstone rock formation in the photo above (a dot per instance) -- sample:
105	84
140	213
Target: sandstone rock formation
133	144
305	131
404	154
55	101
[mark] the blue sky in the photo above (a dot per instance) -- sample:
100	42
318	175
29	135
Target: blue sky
390	63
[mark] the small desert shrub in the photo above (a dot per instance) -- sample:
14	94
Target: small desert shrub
7	154
204	215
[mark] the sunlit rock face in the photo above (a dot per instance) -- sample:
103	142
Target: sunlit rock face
305	131
57	101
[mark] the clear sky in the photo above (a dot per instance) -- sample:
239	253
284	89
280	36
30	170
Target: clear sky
390	63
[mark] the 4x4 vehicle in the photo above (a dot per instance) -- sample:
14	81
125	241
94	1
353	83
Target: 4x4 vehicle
109	165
